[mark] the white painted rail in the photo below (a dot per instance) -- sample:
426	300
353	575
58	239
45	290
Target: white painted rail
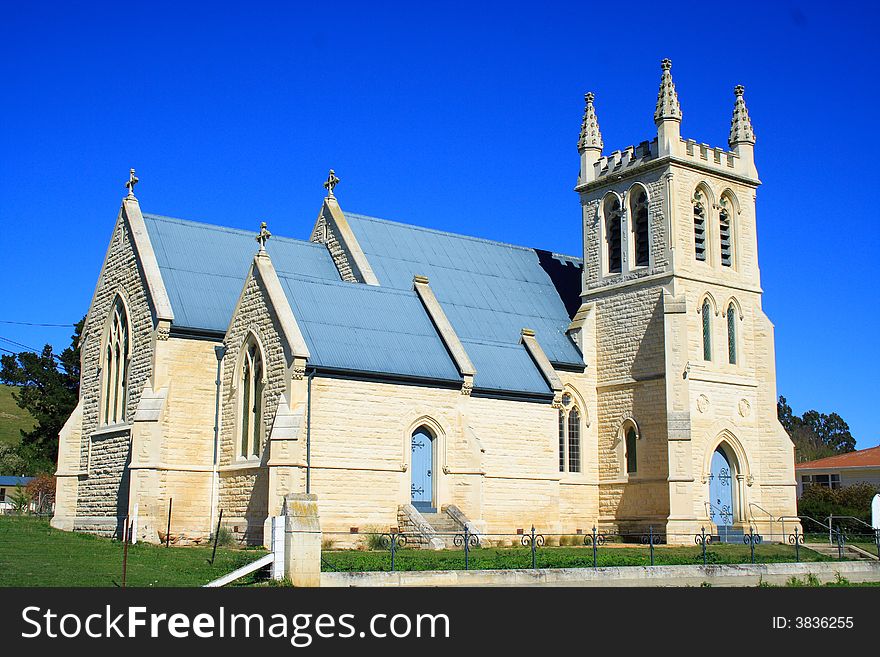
262	562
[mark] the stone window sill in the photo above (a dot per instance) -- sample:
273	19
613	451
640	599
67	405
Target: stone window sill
120	427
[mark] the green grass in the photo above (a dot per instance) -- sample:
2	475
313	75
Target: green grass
558	557
12	418
33	554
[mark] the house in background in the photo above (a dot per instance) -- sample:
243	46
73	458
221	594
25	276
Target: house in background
7	488
840	470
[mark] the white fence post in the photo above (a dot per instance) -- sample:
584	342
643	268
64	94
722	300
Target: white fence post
134	524
279	524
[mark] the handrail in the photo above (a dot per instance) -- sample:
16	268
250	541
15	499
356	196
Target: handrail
769	515
859	520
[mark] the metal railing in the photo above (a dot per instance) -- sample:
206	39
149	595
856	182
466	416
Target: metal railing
468	551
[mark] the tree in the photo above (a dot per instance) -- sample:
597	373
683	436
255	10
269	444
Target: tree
48	388
11	462
815	435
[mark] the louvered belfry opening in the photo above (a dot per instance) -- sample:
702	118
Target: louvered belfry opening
700	231
724	232
640	228
612	235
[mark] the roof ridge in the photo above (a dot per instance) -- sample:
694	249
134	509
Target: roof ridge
343	283
226	229
437	231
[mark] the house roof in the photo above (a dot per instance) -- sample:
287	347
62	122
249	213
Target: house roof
489	291
14	481
364	328
203	267
864	458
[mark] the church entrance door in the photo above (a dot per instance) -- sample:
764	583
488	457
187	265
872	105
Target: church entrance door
721	494
422	470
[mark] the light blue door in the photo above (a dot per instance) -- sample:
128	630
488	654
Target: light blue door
721	492
422	470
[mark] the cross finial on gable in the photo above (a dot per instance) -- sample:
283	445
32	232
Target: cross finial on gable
331	182
132	181
263	236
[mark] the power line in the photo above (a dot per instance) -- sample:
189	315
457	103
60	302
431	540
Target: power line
19	344
9	321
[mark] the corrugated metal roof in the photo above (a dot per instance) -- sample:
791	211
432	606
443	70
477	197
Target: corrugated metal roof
363	328
490	291
203	266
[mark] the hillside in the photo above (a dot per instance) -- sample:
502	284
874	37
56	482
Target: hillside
12	418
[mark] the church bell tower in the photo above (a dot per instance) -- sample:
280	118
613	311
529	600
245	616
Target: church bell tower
685	356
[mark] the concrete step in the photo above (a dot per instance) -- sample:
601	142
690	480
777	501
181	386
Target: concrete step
444	526
849	553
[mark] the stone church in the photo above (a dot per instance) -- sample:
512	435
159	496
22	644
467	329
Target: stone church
406	375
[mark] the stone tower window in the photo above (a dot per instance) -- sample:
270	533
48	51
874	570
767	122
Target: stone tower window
639	214
725	236
612	214
731	334
631	454
699	229
115	369
706	312
569	436
250	394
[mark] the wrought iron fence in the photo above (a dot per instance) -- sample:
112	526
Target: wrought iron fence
468	550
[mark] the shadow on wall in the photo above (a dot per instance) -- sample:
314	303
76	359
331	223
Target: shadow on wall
122	494
645	497
257	508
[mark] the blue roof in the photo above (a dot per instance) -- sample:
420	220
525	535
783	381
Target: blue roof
14	481
490	291
362	328
203	267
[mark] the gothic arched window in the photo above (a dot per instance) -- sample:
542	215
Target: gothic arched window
639	220
569	435
115	369
699	227
706	312
731	334
250	394
631	454
612	214
726	238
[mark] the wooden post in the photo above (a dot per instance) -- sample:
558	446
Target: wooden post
124	550
168	528
216	536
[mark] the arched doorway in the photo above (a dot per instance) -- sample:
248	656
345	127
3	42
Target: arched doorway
422	470
722	498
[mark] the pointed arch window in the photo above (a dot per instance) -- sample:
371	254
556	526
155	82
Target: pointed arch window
699	227
631	453
706	312
115	369
639	214
250	393
731	334
725	237
612	214
569	435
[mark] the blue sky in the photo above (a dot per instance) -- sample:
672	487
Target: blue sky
462	117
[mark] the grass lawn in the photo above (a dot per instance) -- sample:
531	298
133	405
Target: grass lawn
558	557
12	418
34	554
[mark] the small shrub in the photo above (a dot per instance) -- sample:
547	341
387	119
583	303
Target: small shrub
225	538
840	579
372	538
328	543
812	580
551	541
